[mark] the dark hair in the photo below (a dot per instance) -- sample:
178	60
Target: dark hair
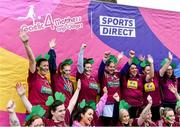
77	114
61	67
128	73
86	63
108	62
29	122
143	68
38	63
165	77
53	107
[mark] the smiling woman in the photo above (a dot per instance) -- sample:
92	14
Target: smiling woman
39	86
87	113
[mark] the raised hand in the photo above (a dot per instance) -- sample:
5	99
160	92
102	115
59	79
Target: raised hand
141	58
150	59
105	90
120	56
11	106
172	88
149	98
20	89
170	56
116	97
106	55
131	53
52	43
79	84
83	46
23	36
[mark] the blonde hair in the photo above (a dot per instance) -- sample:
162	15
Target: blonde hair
121	114
163	111
177	110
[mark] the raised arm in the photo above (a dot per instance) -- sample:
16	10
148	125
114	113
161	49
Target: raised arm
141	58
173	89
13	119
145	111
119	58
32	62
166	65
80	66
106	56
100	105
52	59
131	55
74	98
151	74
22	94
126	67
102	66
116	108
101	72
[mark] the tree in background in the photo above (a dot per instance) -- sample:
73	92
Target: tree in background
112	1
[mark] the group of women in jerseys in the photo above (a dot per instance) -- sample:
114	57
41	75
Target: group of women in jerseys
135	95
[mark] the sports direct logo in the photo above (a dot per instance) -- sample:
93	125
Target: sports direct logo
115	26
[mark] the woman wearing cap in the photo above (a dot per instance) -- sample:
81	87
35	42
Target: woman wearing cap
90	88
110	78
132	85
167	78
39	86
60	77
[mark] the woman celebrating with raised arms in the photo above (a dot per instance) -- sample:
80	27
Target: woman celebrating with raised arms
90	88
